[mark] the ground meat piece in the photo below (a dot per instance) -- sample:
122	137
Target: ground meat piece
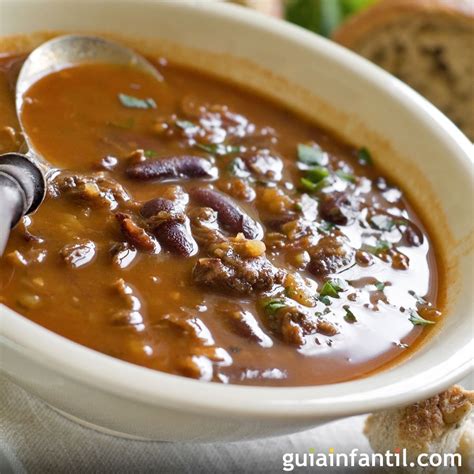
136	235
292	325
96	189
226	270
332	254
338	208
205	226
78	254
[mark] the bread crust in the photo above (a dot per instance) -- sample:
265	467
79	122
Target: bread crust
434	425
357	27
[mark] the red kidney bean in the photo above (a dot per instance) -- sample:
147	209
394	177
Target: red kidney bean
231	217
172	229
183	167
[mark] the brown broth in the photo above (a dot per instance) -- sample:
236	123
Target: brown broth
74	119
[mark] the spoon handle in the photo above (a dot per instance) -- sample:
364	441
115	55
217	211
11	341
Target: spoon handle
12	206
22	189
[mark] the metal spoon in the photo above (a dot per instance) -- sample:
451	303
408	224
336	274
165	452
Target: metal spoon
23	177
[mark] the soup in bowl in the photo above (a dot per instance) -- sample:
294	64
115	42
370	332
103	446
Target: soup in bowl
227	225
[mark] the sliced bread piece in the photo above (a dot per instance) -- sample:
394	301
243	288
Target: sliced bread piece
431	426
429	44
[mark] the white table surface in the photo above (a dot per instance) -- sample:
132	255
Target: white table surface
36	439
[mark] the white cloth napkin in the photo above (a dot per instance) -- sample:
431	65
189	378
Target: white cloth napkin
36	439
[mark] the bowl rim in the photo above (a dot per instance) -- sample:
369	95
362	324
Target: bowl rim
378	391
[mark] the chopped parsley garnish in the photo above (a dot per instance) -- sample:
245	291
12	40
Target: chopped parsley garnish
310	155
316	174
237	167
272	306
150	153
185	124
219	148
332	288
326	227
364	156
380	247
346	176
382	222
349	316
419	299
307	185
136	103
417	320
380	285
325	300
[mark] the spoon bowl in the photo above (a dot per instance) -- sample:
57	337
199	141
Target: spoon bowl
23	176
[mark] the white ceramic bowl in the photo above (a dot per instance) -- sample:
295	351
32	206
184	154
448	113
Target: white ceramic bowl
411	140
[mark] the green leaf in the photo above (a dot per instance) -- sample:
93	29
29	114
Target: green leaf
364	157
311	156
136	103
325	300
185	124
349	7
219	148
307	185
382	222
237	167
421	301
417	320
316	174
346	176
326	227
380	247
271	307
380	285
320	16
349	316
333	287
150	153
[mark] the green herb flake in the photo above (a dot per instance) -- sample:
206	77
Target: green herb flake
325	300
380	285
316	174
219	148
273	306
238	168
349	316
326	227
332	288
382	222
149	153
421	301
346	176
307	185
311	156
136	103
380	247
364	157
185	124
417	320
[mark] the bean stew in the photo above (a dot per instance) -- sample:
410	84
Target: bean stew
196	228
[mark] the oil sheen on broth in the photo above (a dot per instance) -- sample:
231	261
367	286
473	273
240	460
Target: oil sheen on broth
198	229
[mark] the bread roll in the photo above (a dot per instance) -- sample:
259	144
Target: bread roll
429	44
436	425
